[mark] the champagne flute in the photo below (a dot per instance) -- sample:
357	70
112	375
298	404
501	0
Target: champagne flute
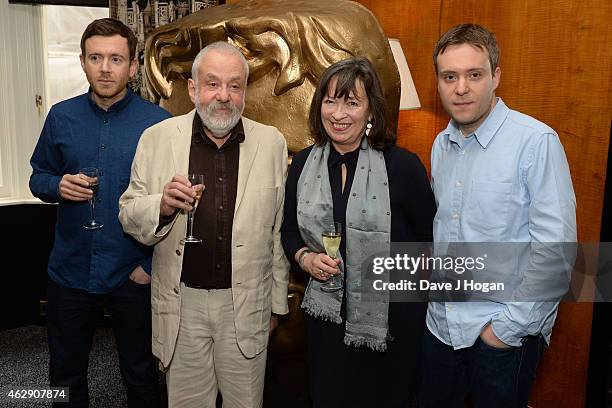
332	235
93	174
197	184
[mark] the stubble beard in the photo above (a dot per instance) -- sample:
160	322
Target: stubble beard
475	120
108	93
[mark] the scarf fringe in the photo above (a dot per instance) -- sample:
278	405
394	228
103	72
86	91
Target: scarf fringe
314	309
359	341
366	322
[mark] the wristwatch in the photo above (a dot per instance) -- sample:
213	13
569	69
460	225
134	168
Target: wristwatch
302	255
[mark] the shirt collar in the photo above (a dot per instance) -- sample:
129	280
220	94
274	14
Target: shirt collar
115	107
198	133
486	130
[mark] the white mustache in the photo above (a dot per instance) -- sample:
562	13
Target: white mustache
216	105
219	127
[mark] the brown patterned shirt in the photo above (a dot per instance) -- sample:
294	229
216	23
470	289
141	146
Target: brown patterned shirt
208	265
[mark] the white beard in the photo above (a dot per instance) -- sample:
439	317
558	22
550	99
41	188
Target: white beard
219	127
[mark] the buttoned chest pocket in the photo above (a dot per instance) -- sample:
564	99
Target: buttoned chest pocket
488	204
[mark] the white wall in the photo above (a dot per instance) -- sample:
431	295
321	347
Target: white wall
39	59
64	26
21	81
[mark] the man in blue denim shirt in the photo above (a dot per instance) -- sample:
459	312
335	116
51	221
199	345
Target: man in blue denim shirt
499	177
89	269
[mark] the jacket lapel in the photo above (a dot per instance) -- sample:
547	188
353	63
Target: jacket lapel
248	151
181	143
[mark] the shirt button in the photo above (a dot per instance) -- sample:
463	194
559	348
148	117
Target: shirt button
455	216
176	290
101	173
105	120
99	200
178	252
103	146
220	179
218	266
459	183
221	207
220	238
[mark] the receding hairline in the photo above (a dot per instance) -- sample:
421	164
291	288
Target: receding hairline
222	48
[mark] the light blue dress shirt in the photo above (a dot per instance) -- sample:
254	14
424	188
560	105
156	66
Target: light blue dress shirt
508	182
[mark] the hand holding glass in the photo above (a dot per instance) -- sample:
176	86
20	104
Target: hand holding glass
197	184
92	173
332	235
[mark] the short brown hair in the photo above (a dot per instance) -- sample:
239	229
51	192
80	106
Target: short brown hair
108	27
347	72
472	34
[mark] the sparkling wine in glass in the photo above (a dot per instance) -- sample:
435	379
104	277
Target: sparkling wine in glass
332	234
197	184
94	183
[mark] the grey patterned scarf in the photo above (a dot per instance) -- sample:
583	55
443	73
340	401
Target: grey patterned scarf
368	234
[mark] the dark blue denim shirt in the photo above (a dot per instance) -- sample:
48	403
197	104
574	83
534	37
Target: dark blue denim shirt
77	134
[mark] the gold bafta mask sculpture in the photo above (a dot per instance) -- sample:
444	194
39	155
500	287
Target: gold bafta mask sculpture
287	43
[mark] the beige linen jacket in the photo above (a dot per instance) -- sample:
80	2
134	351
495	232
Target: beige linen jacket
260	270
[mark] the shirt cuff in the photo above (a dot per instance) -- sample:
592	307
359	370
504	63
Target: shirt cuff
54	185
163	221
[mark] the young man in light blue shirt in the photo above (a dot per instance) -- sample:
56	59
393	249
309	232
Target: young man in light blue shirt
499	177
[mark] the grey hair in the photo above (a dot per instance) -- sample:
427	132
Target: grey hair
222	47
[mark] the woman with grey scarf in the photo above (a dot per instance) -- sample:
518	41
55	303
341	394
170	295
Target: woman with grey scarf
362	353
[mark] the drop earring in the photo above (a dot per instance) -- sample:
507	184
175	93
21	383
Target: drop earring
368	128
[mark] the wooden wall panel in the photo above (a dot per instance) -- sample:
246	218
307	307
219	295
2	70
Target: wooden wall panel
552	68
555	61
415	24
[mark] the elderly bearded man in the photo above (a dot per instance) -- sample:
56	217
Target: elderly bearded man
212	302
